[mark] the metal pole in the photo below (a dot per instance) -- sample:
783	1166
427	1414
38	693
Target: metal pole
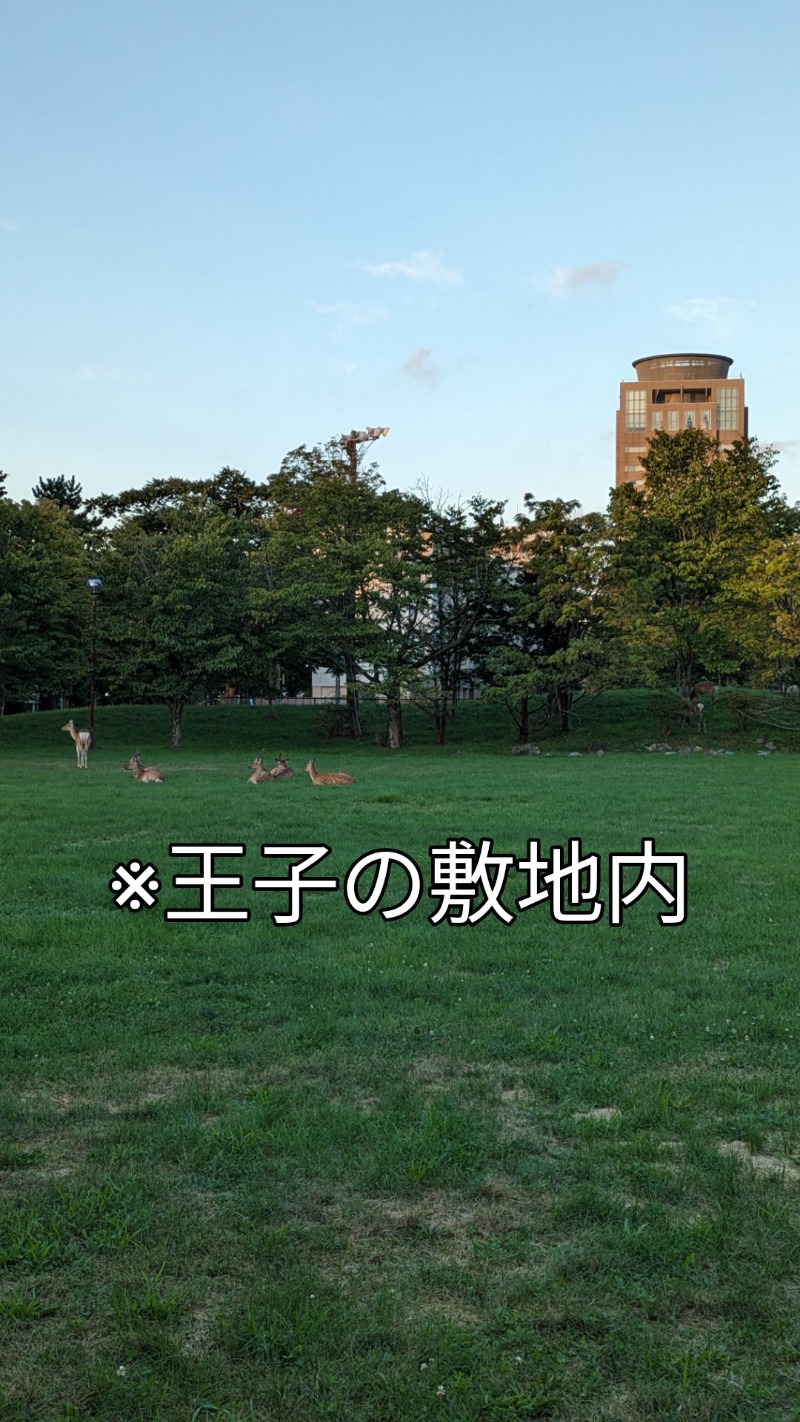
94	585
94	664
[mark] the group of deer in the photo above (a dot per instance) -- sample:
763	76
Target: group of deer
151	775
281	770
83	744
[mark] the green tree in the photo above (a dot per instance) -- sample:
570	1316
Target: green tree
43	601
679	546
547	640
379	586
465	570
325	538
67	494
770	586
176	611
396	604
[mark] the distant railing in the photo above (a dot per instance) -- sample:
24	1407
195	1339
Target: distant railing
468	693
282	701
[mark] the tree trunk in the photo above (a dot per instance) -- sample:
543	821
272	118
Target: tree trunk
176	712
685	674
565	708
524	719
395	711
440	718
353	708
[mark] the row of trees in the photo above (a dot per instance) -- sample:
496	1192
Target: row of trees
228	582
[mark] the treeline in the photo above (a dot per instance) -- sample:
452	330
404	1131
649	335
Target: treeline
227	582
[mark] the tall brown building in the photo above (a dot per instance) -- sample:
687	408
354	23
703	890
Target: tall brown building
676	392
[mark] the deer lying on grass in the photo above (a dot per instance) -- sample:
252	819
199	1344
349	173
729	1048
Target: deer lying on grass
259	773
150	774
82	740
331	777
281	770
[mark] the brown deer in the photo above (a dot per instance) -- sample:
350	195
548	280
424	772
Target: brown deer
703	688
694	710
259	773
281	770
82	740
150	774
331	777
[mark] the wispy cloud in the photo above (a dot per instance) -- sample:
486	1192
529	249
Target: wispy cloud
420	266
350	313
718	312
563	280
6	226
421	368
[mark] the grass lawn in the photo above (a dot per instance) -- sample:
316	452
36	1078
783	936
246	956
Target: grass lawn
362	1169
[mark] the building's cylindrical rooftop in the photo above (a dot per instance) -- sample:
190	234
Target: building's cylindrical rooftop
685	366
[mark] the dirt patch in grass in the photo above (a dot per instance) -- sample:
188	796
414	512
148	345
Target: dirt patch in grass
761	1164
130	1092
45	1157
433	1074
713	1067
197	1338
451	1309
496	1206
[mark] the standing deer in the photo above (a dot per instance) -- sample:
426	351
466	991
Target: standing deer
334	777
695	710
82	740
703	688
150	774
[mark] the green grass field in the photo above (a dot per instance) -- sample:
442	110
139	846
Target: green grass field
361	1169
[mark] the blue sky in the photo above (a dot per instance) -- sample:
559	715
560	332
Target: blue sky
227	229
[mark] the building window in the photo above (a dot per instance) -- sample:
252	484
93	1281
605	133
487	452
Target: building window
633	469
636	449
658	420
727	408
705	419
636	409
673	419
688	422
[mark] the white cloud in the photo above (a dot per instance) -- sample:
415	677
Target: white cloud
565	279
716	312
420	266
420	367
350	313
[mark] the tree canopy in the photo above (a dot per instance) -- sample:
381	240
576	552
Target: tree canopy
224	581
679	546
